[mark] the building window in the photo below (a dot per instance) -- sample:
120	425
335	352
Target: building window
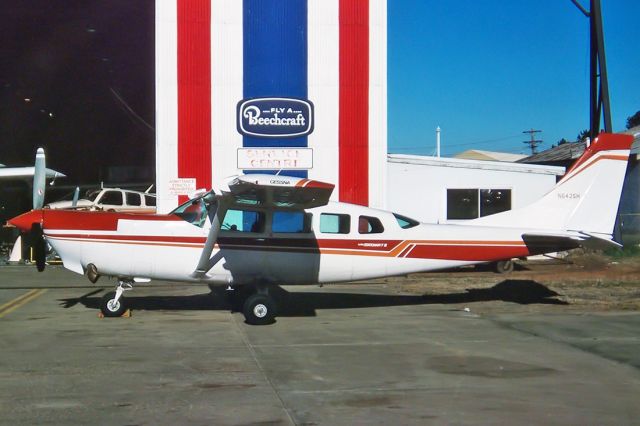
462	203
331	223
474	203
494	201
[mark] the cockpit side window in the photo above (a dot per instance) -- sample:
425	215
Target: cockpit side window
291	222
243	221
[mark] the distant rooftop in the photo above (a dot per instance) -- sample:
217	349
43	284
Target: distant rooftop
476	154
570	151
564	152
475	164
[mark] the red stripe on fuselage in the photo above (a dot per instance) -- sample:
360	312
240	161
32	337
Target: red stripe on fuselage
94	221
415	249
467	252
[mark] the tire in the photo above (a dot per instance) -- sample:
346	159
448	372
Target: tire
259	309
107	307
504	266
39	246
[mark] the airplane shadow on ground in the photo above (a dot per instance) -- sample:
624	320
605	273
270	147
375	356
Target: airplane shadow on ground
296	304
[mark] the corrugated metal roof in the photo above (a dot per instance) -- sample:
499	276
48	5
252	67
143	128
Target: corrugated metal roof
572	150
635	131
564	152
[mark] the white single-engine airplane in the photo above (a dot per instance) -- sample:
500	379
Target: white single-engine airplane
266	230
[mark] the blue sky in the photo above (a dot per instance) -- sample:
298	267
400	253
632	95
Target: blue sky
484	71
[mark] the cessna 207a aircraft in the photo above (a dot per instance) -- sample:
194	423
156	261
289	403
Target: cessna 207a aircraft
266	230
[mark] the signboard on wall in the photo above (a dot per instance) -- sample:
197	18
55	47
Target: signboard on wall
182	186
275	158
275	117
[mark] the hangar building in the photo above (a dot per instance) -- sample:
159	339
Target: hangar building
437	190
300	87
251	86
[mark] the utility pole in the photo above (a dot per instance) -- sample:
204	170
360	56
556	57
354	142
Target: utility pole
599	85
533	142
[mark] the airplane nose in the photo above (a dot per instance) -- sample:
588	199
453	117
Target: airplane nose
25	220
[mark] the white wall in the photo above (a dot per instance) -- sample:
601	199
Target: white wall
417	186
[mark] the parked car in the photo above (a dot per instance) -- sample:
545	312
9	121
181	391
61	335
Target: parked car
111	199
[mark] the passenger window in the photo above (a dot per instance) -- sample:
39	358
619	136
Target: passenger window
111	198
243	221
149	200
291	222
133	199
369	225
331	223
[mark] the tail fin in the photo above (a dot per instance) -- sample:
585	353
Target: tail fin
586	199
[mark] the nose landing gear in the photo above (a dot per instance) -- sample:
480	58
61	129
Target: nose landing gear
113	304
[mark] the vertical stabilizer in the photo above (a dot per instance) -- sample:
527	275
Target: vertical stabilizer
586	199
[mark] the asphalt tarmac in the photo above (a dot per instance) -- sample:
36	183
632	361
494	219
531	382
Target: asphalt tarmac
340	354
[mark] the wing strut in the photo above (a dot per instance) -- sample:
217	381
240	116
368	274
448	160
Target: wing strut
206	262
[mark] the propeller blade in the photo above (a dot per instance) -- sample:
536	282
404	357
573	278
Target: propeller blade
76	195
39	180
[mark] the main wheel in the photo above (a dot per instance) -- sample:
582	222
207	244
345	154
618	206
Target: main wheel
111	308
504	266
259	309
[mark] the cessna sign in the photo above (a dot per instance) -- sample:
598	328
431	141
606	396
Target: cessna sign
275	117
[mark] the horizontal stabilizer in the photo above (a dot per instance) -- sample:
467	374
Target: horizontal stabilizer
539	243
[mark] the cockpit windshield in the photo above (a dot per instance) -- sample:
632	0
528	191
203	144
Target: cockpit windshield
195	211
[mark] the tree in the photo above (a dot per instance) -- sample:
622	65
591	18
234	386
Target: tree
583	135
634	120
562	141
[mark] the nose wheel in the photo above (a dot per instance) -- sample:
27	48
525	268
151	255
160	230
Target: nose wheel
113	304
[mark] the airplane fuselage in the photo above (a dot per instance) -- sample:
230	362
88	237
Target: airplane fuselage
336	242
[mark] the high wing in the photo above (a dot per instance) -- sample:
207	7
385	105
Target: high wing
267	191
278	191
26	172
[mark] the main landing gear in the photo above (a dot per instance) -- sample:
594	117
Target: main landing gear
113	304
255	302
257	305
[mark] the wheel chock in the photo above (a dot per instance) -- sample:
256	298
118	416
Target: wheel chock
127	314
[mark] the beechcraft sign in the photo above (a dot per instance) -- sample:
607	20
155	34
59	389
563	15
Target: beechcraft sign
275	117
